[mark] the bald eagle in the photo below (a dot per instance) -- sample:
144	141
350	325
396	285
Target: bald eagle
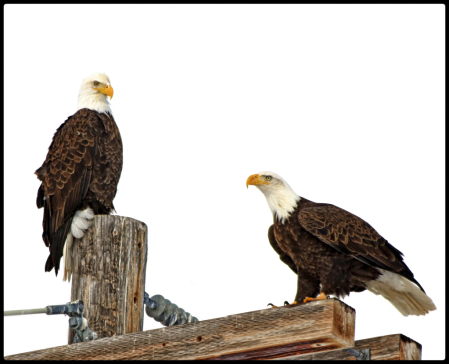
80	173
334	252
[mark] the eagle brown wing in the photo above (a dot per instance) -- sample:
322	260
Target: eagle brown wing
351	235
282	255
65	175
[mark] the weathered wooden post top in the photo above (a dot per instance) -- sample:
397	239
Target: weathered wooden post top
109	275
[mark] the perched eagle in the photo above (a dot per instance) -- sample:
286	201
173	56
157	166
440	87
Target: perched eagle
80	173
335	252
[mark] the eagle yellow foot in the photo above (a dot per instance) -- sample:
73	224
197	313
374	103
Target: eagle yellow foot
322	296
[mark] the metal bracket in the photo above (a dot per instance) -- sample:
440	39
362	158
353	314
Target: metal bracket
83	331
363	354
78	323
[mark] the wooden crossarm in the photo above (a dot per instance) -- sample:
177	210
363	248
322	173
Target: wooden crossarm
317	326
390	347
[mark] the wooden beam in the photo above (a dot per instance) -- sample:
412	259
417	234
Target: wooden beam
109	275
391	347
266	334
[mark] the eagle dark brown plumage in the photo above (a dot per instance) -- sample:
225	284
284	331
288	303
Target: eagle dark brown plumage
82	170
335	252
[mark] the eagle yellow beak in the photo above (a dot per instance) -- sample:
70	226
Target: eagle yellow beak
107	90
255	180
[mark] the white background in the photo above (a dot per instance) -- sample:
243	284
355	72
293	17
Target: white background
345	102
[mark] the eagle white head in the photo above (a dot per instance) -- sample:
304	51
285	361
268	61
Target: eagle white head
281	198
94	93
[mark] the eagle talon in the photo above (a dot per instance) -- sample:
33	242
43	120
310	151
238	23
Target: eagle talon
290	304
270	304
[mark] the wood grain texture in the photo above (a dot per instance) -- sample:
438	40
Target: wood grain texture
109	275
266	334
390	347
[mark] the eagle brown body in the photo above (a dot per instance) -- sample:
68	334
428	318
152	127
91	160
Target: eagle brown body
81	170
334	252
345	262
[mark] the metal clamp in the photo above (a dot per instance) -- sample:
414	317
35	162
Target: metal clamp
362	354
78	323
75	308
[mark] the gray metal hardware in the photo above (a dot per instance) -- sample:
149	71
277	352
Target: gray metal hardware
165	312
78	323
363	354
73	309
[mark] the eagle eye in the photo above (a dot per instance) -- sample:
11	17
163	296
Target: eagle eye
268	178
96	83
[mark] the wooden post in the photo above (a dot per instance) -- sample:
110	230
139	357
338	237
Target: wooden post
109	275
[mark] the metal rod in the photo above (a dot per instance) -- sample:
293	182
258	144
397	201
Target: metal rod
32	311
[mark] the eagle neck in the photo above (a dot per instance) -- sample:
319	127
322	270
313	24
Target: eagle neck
93	101
282	202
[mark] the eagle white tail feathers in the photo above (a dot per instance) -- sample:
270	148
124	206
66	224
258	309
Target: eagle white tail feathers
406	296
67	253
80	223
